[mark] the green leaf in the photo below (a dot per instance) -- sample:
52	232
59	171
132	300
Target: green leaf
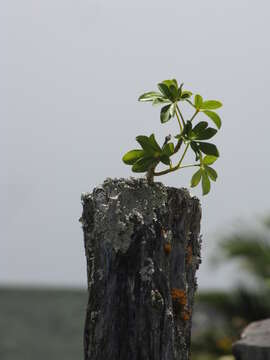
154	143
211	173
187	129
169	83
142	165
165	159
146	144
165	91
198	101
208	149
211	105
149	145
150	96
173	110
214	117
209	159
169	88
173	91
165	114
158	101
201	126
196	178
175	83
196	149
186	95
132	156
205	183
206	134
179	91
168	149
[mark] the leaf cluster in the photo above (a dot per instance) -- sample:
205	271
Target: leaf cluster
193	136
149	154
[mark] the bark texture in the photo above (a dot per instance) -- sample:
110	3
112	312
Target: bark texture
142	246
254	343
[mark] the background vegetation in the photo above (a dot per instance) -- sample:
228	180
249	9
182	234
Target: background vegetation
249	301
42	324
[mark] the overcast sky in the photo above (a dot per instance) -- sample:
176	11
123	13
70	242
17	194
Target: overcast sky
71	73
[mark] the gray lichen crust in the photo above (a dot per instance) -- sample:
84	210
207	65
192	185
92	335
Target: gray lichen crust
142	247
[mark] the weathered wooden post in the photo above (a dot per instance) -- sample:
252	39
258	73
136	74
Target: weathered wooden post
254	343
142	247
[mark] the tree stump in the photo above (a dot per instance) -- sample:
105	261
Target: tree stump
254	343
142	246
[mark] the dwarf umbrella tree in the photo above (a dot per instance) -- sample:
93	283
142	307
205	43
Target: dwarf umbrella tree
193	136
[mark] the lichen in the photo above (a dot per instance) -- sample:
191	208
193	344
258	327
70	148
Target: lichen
157	299
179	300
169	313
167	248
148	270
185	315
189	254
179	297
94	315
120	204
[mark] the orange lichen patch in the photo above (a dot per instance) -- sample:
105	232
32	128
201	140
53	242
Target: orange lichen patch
179	296
189	254
167	248
185	315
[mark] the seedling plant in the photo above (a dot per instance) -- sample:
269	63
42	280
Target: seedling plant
192	136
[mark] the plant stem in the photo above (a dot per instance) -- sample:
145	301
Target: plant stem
177	107
180	141
151	173
179	121
193	116
173	169
178	145
187	166
182	157
190	102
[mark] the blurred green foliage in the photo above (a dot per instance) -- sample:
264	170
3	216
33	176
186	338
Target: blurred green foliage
248	302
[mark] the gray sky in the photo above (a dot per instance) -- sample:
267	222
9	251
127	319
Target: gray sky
71	73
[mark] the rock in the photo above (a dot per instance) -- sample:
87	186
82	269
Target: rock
142	246
254	343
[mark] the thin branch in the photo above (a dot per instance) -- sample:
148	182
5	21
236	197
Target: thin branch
193	116
177	107
179	122
173	169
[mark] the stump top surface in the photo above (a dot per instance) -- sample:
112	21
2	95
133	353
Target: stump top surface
120	202
256	334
